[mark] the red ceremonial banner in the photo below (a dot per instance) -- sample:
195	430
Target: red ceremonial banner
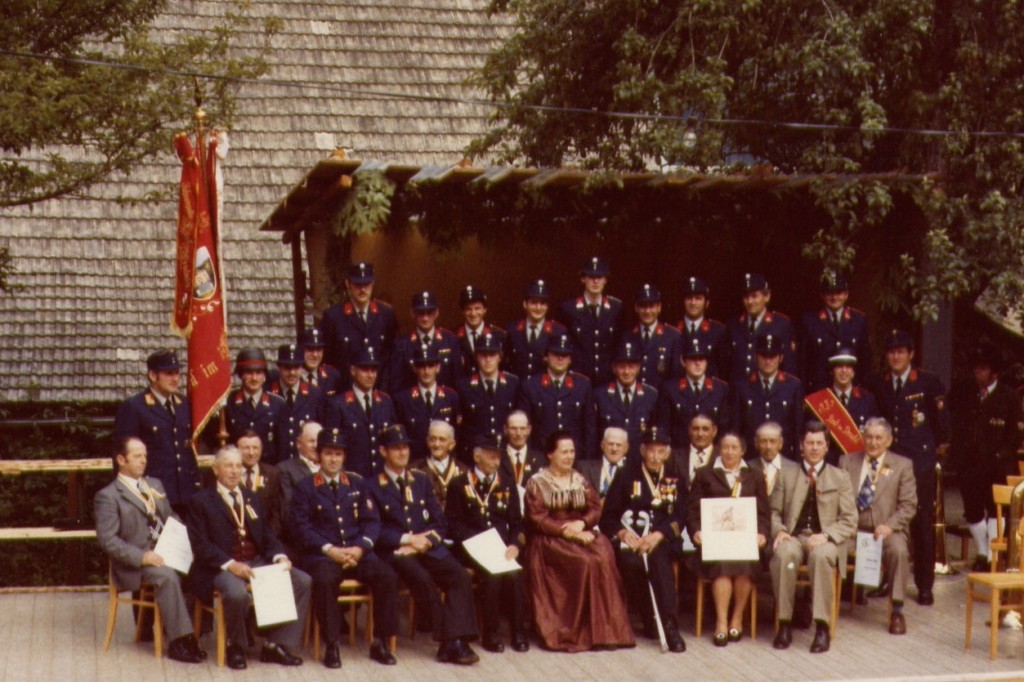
827	408
199	313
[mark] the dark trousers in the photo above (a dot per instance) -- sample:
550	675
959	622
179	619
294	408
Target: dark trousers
427	577
976	479
634	579
500	595
383	583
922	529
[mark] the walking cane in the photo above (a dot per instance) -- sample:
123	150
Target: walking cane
942	565
644	520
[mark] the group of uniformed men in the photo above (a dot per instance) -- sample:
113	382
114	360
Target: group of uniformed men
446	398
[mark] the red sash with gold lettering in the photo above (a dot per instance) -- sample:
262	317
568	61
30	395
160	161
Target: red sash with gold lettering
827	408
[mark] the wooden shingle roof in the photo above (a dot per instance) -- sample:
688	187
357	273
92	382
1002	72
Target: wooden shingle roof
98	275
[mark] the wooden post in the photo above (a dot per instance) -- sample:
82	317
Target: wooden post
75	550
298	283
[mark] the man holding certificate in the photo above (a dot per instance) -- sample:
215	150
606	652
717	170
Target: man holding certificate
483	499
335	525
886	502
231	537
130	513
813	515
644	514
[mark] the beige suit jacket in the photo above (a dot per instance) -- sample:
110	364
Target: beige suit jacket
895	500
837	509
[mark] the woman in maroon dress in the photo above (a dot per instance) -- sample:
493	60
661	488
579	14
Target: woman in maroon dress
575	586
729	476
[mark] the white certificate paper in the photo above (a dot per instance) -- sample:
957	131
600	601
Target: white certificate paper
272	595
488	550
868	567
173	546
728	529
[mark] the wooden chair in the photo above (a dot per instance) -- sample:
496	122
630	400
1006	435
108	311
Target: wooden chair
1012	481
145	600
994	588
752	605
1001	496
1020	466
217	611
353	594
803	579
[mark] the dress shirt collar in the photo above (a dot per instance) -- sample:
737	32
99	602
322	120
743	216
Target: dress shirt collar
440	465
310	464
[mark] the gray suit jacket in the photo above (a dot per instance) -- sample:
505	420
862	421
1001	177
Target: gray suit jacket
895	500
837	509
290	472
757	464
122	529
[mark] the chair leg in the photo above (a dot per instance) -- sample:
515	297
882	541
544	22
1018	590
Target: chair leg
969	610
222	635
700	604
369	620
158	630
316	639
753	611
111	617
352	624
197	619
837	586
412	617
993	606
393	643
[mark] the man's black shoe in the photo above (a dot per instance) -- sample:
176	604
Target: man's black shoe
493	644
380	653
275	653
457	651
236	657
821	639
784	637
980	564
181	650
520	642
332	657
675	641
925	598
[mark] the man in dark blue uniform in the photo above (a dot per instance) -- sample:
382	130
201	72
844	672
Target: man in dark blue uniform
695	393
770	395
412	541
162	420
914	402
250	408
361	413
697	325
326	378
742	332
360	321
427	335
626	402
823	332
644	516
594	321
987	431
487	395
559	399
302	401
527	339
478	500
474	309
658	342
858	401
425	402
335	526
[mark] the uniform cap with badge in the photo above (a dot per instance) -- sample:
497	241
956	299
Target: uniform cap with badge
537	289
471	294
560	344
425	355
769	345
488	343
360	273
367	356
394	436
658	435
330	438
753	281
489	441
843	356
163	360
289	355
696	348
312	338
899	338
648	293
595	267
628	352
833	282
424	302
695	286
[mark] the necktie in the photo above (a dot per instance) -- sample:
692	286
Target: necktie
428	398
236	498
845	397
402	487
558	384
519	466
366	404
701	461
769	478
626	398
693	328
835	321
647	335
490	387
867	491
334	488
753	325
248	477
152	519
696	389
425	340
252	402
291	397
533	335
606	482
810	477
899	385
362	316
982	393
169	404
593	310
767	386
476	337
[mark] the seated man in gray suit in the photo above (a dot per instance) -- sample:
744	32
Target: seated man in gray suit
886	502
813	515
130	512
600	472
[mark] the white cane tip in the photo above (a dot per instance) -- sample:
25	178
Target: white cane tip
790	566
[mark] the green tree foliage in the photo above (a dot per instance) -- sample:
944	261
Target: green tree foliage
65	126
872	67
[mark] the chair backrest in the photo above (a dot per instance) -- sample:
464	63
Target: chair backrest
1012	481
1020	467
1001	495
